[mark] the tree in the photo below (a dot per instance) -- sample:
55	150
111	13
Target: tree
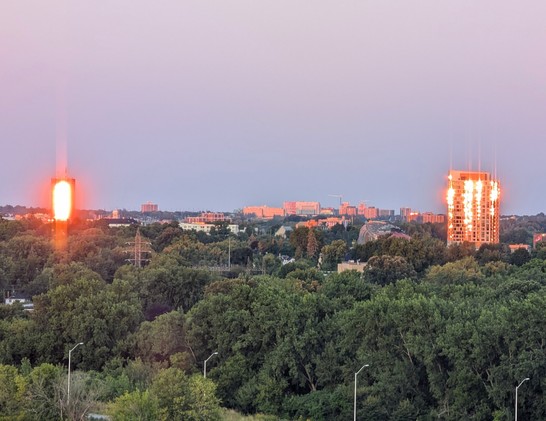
384	270
492	252
519	257
43	392
134	406
84	394
312	244
29	254
299	239
184	398
12	391
89	311
333	254
158	340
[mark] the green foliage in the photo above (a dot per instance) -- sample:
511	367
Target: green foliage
12	390
333	254
158	340
448	332
184	398
135	406
384	270
89	311
42	395
24	258
172	285
519	257
420	252
299	239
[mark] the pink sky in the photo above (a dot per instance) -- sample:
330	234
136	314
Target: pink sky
222	104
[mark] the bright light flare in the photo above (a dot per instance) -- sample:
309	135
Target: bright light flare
62	200
450	196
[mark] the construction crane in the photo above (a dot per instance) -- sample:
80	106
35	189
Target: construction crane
340	196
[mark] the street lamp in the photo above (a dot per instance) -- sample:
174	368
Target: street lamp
205	364
516	406
356	374
69	362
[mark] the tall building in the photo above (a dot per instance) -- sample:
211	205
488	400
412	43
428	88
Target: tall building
346	209
63	203
149	207
473	214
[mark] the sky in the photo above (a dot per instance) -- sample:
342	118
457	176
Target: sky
216	105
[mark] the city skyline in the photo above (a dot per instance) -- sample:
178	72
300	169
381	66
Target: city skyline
220	106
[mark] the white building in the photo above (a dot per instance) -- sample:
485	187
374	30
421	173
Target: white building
200	226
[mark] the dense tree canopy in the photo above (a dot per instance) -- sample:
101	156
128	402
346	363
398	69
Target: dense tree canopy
448	332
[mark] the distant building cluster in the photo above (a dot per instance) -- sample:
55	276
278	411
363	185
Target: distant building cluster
327	223
473	200
301	208
312	209
410	215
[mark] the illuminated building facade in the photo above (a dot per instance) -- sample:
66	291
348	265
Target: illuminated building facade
63	198
207	217
149	207
263	212
473	212
302	208
346	209
63	201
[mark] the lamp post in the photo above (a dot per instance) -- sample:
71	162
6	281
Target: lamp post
356	374
516	405
205	364
69	362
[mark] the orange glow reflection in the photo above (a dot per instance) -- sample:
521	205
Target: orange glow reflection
62	200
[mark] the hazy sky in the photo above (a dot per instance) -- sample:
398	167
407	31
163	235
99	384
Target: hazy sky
220	104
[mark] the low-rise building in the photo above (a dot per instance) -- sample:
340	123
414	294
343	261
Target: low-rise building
207	228
351	265
514	247
207	217
11	297
263	212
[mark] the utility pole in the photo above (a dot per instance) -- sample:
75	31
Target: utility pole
139	249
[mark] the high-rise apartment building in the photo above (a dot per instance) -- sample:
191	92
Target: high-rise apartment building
149	207
473	200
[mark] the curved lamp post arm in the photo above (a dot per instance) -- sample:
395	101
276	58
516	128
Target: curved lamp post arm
68	380
205	364
516	404
356	374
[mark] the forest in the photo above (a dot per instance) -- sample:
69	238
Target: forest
447	332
